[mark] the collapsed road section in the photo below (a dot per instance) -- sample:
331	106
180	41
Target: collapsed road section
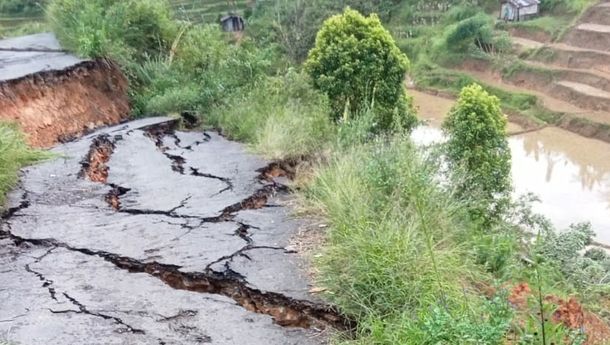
142	234
38	87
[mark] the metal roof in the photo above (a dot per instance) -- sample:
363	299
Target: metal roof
230	16
523	3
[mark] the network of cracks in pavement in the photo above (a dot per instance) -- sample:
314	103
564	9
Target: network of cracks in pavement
143	234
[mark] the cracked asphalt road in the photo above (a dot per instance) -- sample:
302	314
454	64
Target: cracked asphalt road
141	234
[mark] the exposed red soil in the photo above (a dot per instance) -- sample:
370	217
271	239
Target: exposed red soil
57	106
95	164
569	313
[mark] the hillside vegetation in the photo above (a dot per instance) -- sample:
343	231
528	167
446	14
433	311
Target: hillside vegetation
419	249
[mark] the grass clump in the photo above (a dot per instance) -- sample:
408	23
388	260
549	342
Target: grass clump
14	154
279	116
395	258
123	30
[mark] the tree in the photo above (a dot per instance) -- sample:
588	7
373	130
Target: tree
356	62
478	151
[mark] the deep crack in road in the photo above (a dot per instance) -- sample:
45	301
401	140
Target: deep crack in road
142	234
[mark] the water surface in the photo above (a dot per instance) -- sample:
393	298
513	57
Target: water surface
569	173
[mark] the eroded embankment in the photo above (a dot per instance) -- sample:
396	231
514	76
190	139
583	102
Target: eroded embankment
191	211
61	105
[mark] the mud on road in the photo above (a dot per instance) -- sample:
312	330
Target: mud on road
142	234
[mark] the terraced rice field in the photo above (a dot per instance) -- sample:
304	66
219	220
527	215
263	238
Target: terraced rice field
207	11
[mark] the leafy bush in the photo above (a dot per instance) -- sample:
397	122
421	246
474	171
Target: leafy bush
14	154
357	64
478	150
563	250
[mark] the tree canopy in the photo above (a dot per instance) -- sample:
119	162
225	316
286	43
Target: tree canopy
356	62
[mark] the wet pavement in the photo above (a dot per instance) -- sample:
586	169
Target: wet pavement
21	56
142	234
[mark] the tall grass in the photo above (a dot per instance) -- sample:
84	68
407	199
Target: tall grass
395	256
14	154
279	117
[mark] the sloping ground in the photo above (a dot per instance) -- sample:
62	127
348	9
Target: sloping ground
55	96
570	78
208	11
590	36
141	234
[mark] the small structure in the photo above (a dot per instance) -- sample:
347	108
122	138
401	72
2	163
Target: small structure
232	23
518	10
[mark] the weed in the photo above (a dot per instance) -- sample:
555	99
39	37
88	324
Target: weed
14	154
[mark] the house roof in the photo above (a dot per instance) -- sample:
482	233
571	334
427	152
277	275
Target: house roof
230	16
523	3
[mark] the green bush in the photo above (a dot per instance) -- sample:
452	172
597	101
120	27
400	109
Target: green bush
14	154
478	150
476	31
357	64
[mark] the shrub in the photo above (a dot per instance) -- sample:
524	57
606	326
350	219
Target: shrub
357	64
478	150
563	250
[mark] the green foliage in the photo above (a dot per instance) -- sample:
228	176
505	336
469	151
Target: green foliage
478	150
565	5
14	154
386	225
396	249
22	7
204	71
21	29
489	327
126	31
474	30
291	24
279	117
358	65
563	250
294	24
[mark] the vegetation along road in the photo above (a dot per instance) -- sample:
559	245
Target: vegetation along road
338	172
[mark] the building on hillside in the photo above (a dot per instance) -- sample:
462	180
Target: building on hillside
232	23
518	10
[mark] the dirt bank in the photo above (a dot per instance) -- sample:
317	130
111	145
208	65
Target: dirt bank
56	106
56	96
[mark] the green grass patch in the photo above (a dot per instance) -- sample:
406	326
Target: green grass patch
279	117
14	154
551	25
397	257
453	81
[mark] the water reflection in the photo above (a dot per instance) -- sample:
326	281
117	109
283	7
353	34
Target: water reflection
569	173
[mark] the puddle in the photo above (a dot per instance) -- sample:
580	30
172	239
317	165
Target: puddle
569	173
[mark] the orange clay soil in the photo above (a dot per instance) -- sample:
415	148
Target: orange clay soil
569	313
57	106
